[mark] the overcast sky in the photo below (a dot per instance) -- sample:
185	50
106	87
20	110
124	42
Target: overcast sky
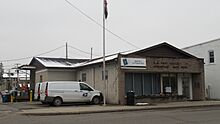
32	27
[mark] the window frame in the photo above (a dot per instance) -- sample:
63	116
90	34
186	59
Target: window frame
106	75
83	77
87	89
211	57
153	81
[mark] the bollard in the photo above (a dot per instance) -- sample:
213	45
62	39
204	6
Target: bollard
12	98
30	95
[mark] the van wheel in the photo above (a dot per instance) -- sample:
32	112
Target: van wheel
96	100
57	101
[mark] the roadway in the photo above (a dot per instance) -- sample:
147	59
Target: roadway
204	115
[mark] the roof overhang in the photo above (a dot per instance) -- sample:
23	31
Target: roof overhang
27	67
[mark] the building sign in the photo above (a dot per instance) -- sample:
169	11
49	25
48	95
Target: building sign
133	62
172	65
168	89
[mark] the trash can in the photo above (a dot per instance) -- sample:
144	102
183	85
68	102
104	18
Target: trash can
8	97
130	98
4	98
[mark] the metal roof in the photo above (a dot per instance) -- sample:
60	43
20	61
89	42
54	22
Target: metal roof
60	62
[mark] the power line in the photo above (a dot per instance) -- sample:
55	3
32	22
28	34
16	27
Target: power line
81	50
23	58
93	20
73	57
50	51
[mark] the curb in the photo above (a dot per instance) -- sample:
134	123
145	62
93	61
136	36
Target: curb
116	110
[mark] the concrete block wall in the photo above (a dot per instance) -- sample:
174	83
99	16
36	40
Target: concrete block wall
44	74
56	75
94	78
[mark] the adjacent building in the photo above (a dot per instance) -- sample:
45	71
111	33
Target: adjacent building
50	69
158	73
211	53
12	80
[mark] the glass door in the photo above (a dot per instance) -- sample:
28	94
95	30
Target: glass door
169	82
186	87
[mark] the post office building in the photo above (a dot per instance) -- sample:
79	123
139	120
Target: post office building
158	73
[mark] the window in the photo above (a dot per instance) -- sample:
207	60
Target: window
41	78
142	83
128	82
84	77
85	87
106	75
138	84
147	85
211	56
156	84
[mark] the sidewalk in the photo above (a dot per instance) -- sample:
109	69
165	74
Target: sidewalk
67	110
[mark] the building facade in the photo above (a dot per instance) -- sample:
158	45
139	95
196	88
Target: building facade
158	73
161	72
210	52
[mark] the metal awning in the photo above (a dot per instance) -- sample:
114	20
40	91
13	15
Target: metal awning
27	67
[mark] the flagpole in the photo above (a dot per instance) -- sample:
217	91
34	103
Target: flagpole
104	98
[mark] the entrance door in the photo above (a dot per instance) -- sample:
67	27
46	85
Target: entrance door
169	82
166	84
186	87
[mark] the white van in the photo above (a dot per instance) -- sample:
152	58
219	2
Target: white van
58	92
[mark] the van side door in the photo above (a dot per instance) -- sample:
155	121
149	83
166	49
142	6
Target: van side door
76	93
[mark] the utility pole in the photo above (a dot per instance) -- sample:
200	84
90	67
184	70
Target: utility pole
1	75
66	51
104	17
17	71
9	78
26	75
1	72
91	53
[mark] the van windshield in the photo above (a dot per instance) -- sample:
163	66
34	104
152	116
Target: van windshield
85	87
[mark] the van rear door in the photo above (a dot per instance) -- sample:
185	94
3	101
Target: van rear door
42	91
37	91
